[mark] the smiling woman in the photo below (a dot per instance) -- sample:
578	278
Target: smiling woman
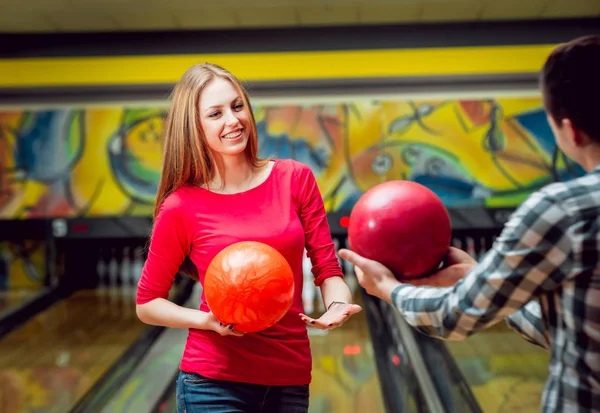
195	149
225	121
215	191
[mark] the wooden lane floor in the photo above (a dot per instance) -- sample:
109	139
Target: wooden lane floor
505	372
50	362
345	378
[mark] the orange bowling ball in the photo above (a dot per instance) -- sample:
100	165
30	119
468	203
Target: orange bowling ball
403	225
249	285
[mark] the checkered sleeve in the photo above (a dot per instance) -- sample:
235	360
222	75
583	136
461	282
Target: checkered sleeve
528	323
531	256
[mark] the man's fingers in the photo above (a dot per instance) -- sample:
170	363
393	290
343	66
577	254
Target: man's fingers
446	277
456	272
458	256
359	274
353	257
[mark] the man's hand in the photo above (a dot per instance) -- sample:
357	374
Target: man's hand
458	264
372	275
379	281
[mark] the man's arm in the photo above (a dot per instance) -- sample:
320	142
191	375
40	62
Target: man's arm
529	324
531	256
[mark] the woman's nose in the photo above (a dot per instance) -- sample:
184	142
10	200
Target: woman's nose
230	118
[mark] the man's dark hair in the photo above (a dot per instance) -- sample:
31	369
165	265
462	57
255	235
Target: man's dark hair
570	83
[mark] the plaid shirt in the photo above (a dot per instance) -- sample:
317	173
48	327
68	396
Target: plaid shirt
542	276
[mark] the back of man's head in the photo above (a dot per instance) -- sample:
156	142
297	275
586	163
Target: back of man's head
570	83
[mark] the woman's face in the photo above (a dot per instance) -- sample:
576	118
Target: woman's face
224	118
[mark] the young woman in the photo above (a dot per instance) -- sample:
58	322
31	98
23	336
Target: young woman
215	191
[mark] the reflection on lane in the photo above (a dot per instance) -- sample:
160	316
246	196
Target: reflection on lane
345	378
50	362
505	372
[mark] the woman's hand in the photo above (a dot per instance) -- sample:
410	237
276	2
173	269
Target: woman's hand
335	316
212	323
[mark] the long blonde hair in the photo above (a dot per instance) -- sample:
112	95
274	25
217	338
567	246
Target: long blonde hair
186	156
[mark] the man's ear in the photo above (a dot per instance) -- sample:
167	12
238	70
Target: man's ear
572	133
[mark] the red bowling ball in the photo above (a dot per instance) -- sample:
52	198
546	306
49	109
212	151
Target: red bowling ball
250	285
403	225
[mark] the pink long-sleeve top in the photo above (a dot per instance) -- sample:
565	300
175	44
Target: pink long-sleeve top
286	212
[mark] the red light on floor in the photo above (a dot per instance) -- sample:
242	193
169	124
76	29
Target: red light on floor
396	360
344	222
351	350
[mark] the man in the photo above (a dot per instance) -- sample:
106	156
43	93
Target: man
542	274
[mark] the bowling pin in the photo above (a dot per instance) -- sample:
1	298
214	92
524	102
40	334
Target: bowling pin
101	270
482	249
113	269
471	247
308	287
102	274
136	270
138	266
126	288
125	274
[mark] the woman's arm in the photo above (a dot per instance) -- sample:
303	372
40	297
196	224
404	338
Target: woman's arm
321	251
335	290
161	312
169	245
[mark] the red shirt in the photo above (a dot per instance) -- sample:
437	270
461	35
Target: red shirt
286	212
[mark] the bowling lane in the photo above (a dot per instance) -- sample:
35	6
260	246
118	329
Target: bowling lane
505	372
345	377
50	362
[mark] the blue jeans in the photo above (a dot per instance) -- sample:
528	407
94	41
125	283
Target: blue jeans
198	394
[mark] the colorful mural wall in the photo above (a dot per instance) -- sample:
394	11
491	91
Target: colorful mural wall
22	272
23	261
105	161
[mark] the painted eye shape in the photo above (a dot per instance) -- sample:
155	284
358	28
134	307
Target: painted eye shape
382	163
